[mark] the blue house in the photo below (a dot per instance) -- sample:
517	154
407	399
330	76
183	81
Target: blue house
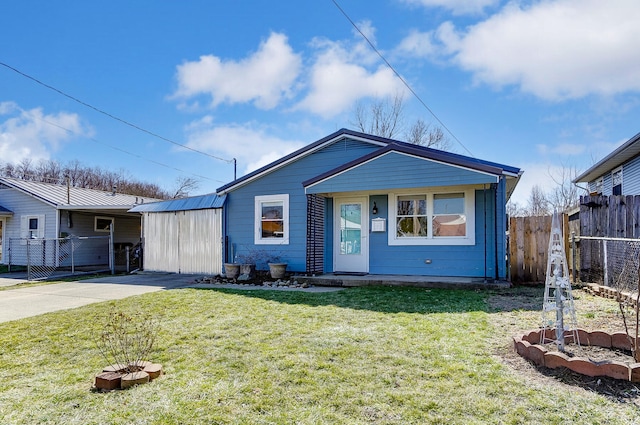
617	173
357	203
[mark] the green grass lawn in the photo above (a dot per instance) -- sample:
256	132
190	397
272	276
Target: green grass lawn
359	356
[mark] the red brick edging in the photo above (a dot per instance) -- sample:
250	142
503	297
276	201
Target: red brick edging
528	346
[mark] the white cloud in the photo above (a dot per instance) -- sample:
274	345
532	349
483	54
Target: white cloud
555	50
33	134
339	77
562	149
253	148
264	77
458	7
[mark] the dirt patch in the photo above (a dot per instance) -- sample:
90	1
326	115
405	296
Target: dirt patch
519	309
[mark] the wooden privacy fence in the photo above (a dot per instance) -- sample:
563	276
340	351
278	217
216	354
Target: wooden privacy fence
528	245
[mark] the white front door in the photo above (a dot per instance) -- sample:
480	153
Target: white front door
351	235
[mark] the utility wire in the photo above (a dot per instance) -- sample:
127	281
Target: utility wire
422	102
116	148
137	127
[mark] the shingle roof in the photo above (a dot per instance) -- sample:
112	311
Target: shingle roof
63	197
443	156
184	204
5	212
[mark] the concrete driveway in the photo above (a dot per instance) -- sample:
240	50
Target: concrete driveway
31	301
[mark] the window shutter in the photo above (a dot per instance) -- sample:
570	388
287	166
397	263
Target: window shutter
41	226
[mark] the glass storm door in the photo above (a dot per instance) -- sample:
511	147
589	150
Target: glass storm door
351	243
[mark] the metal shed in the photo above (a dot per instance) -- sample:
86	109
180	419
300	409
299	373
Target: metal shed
183	235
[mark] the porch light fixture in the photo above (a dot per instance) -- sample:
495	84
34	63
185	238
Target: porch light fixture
374	211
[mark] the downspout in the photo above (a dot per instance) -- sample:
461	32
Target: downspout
495	226
484	204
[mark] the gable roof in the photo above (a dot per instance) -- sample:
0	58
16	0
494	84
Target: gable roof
434	155
5	212
300	153
385	145
201	202
627	151
74	198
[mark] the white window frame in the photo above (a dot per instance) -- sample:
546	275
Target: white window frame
95	224
617	171
598	185
259	200
469	211
24	226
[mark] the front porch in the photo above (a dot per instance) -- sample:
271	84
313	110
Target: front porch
351	280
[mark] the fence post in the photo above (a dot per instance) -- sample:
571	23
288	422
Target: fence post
127	253
112	263
573	256
28	259
73	262
606	272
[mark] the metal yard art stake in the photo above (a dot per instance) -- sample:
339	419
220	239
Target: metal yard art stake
558	300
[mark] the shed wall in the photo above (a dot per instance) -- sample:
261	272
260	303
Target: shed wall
183	241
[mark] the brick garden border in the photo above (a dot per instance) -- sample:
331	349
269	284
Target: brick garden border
529	347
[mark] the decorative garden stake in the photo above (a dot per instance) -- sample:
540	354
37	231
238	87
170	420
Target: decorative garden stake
557	292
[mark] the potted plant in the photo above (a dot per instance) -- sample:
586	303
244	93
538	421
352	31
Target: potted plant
231	270
277	270
247	264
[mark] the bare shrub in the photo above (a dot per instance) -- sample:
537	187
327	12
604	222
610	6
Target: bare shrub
127	340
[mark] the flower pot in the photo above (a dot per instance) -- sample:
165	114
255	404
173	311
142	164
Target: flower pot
248	269
231	270
277	270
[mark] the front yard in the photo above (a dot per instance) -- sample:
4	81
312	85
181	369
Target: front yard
359	356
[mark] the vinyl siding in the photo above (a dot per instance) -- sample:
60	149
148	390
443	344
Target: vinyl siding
477	260
240	220
399	171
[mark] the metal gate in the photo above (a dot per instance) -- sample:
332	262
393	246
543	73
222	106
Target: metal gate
44	258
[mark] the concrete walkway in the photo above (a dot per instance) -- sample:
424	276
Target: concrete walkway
31	301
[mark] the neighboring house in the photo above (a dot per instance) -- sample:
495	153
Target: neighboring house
616	174
183	235
356	203
34	210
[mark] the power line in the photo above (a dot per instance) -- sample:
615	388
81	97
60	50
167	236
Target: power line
116	148
137	127
406	84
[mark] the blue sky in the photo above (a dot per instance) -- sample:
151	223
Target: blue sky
539	85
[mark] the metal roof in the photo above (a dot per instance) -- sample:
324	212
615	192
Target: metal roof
627	151
5	212
184	204
70	198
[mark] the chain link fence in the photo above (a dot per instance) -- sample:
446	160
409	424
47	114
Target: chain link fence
610	262
45	258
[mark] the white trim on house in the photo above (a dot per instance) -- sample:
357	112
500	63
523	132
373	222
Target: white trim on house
258	220
469	210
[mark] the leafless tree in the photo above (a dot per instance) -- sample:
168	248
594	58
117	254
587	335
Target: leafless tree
184	186
86	177
566	195
422	134
385	118
514	209
538	204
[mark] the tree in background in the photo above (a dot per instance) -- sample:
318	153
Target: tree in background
50	171
564	197
385	118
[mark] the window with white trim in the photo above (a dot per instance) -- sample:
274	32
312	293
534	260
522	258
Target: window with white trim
616	181
272	220
103	224
32	226
432	218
